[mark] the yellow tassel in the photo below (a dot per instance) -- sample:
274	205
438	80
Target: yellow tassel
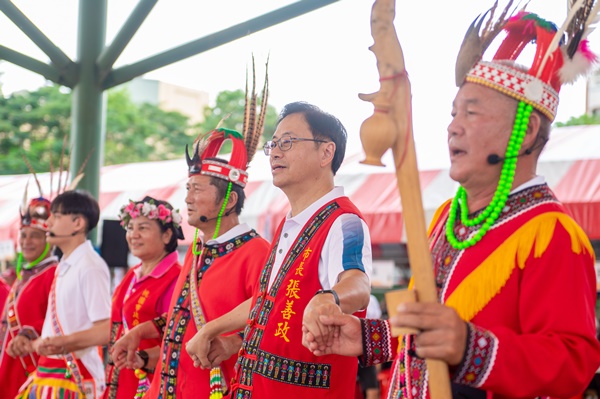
486	281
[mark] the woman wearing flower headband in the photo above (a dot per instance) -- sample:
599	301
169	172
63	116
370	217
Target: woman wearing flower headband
153	228
25	309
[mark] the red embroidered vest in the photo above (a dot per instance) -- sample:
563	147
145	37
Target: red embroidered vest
139	307
272	360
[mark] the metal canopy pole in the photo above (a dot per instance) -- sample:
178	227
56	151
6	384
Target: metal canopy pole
62	62
128	72
24	61
110	54
88	127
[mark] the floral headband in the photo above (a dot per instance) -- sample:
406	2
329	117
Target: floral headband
148	207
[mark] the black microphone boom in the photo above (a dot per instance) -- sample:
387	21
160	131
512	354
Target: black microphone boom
494	159
63	235
205	219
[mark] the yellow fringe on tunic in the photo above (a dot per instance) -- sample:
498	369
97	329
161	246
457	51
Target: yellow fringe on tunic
486	281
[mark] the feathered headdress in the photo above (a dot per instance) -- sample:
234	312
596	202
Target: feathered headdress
35	212
207	147
561	54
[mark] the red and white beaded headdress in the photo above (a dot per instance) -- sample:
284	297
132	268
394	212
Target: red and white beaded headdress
561	54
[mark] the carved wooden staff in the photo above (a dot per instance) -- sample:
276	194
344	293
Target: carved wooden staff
390	126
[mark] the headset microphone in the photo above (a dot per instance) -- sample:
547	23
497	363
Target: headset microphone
51	234
205	219
494	159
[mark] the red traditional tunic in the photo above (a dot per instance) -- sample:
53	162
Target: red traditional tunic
233	269
528	291
4	288
272	361
137	302
24	311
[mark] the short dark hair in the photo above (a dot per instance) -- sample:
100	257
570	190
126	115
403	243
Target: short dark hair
221	185
322	126
78	202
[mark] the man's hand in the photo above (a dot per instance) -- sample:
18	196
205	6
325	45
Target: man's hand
321	334
443	333
123	352
199	347
348	342
221	349
50	346
19	346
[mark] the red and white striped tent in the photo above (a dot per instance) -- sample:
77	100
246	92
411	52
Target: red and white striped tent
570	163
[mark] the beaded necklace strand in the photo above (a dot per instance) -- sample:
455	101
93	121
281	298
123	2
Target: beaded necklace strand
20	265
221	212
492	212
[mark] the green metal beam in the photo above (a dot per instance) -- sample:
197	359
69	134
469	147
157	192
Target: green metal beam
130	27
88	127
64	64
24	61
128	72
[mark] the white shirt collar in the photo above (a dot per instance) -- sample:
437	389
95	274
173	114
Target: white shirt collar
536	181
78	253
303	216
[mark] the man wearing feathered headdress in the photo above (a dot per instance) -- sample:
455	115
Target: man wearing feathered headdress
25	309
514	272
217	275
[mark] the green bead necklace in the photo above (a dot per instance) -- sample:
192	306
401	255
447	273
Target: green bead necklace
30	265
492	212
218	226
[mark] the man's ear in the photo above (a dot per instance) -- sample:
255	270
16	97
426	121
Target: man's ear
233	199
328	153
533	131
80	224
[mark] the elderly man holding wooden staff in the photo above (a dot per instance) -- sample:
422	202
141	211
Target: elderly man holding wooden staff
514	272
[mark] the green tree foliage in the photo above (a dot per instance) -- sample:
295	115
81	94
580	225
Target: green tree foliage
232	103
35	124
584	119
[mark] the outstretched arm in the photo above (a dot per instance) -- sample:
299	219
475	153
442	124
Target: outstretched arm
353	290
97	335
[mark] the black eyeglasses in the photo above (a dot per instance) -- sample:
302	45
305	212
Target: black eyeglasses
285	143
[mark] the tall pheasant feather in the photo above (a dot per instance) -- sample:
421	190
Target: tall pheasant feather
253	125
34	174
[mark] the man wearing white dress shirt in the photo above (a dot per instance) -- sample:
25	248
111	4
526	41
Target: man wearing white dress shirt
319	263
77	319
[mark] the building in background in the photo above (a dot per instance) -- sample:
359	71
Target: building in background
593	94
169	97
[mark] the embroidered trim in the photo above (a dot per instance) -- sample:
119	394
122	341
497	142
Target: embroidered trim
177	325
112	373
70	359
289	371
29	333
377	343
480	355
259	314
160	323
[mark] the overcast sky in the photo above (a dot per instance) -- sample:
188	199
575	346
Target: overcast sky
321	57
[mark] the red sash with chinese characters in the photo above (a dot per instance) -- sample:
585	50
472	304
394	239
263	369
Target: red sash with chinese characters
272	358
135	305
